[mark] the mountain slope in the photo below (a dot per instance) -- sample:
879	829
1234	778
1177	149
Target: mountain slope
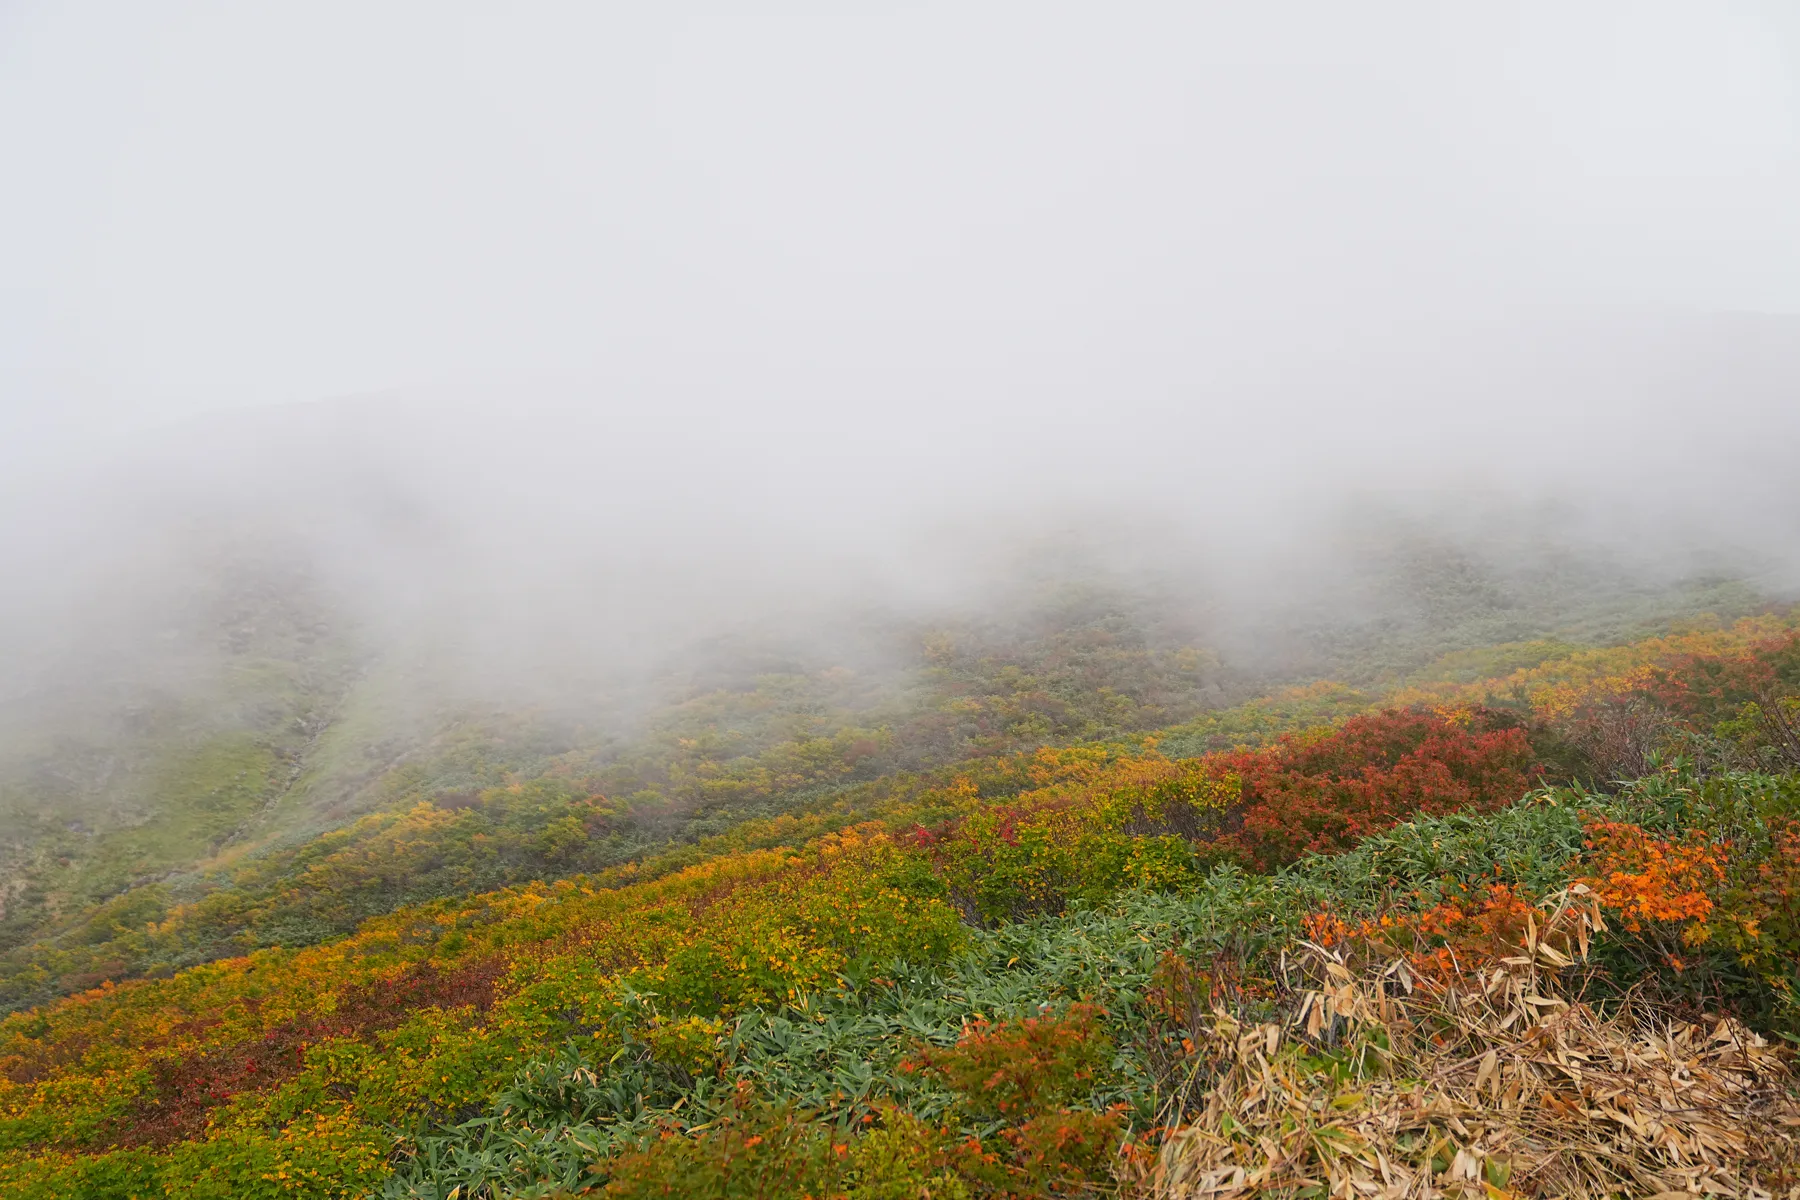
993	961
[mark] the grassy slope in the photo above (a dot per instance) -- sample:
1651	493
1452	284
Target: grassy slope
826	1032
266	835
135	797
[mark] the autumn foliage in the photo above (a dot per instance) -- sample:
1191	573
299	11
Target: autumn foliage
1017	1068
1649	880
1323	793
321	1071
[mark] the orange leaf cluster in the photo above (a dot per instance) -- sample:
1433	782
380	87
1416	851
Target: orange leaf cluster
1648	879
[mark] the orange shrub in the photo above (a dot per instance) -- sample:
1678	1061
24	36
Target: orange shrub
1441	942
1018	1068
1649	880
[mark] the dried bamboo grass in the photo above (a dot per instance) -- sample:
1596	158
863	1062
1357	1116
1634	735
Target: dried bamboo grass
1496	1083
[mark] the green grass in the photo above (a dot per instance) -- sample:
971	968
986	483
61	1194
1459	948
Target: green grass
836	1054
300	740
204	794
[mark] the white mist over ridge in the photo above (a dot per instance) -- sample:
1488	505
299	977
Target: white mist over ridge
651	325
595	529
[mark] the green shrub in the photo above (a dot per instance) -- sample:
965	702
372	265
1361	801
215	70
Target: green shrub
753	1152
1014	1069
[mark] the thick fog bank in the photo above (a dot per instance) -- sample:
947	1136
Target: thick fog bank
582	530
664	325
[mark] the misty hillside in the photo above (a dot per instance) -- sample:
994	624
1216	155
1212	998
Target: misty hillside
989	601
769	798
307	687
264	725
246	633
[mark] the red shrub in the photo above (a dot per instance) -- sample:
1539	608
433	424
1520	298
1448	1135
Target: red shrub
1324	793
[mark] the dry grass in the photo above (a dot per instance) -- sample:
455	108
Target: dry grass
1497	1081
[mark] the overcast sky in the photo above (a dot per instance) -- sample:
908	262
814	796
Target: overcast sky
215	205
655	317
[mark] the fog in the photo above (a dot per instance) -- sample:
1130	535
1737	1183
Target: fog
547	341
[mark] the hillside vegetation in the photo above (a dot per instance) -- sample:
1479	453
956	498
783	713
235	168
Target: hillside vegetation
1029	972
271	773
